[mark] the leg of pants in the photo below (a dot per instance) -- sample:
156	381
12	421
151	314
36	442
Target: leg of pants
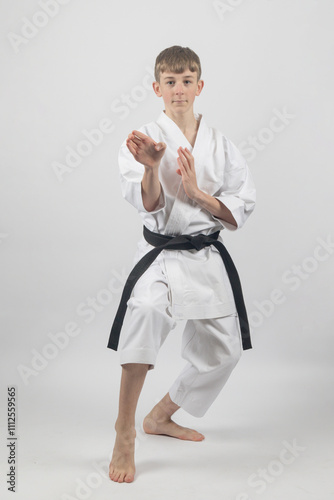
148	320
212	348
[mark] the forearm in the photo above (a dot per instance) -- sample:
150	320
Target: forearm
150	188
186	164
215	207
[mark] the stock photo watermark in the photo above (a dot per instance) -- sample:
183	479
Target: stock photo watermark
11	445
57	342
85	147
30	28
226	7
280	120
121	108
91	306
264	476
293	279
84	488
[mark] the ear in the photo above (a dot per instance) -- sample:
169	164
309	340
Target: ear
200	85
156	88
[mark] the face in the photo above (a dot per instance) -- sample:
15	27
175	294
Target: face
178	90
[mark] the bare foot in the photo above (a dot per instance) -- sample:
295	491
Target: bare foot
158	423
122	466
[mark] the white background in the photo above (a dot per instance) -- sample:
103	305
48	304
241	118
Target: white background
64	238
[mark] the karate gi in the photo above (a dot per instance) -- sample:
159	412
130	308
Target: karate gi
187	284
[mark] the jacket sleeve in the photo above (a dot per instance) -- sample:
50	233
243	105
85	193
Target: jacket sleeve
238	189
131	174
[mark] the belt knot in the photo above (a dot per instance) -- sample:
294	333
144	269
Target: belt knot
198	242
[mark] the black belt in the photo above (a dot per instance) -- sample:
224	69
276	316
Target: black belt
181	242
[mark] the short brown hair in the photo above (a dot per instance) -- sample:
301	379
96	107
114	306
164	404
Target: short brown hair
177	59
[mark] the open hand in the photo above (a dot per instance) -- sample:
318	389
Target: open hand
144	149
186	163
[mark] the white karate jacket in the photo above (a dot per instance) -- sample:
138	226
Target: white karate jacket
198	284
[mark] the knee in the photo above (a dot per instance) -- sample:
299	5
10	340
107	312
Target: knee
223	357
152	315
146	307
235	354
228	356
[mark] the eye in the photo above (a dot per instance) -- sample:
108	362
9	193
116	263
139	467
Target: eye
170	82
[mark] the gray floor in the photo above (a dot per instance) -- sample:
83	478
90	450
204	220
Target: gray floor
269	435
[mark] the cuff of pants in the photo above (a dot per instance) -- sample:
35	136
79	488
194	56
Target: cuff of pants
141	356
194	408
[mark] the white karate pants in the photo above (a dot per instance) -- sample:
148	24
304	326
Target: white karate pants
212	347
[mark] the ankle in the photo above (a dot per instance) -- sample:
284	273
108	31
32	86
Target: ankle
165	408
124	427
159	413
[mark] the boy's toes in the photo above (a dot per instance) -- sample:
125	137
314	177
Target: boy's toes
121	477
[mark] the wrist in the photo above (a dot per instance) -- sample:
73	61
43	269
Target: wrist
152	168
198	196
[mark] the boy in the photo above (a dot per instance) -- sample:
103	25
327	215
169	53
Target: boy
188	182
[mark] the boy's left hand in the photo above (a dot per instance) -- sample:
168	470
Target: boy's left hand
186	163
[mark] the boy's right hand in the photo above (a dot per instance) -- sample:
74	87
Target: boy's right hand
145	150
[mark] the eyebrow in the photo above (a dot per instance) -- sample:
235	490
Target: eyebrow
171	77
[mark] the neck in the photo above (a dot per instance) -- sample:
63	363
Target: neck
185	121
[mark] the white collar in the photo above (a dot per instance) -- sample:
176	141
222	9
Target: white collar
172	130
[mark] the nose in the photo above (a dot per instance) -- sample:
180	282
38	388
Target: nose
179	88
